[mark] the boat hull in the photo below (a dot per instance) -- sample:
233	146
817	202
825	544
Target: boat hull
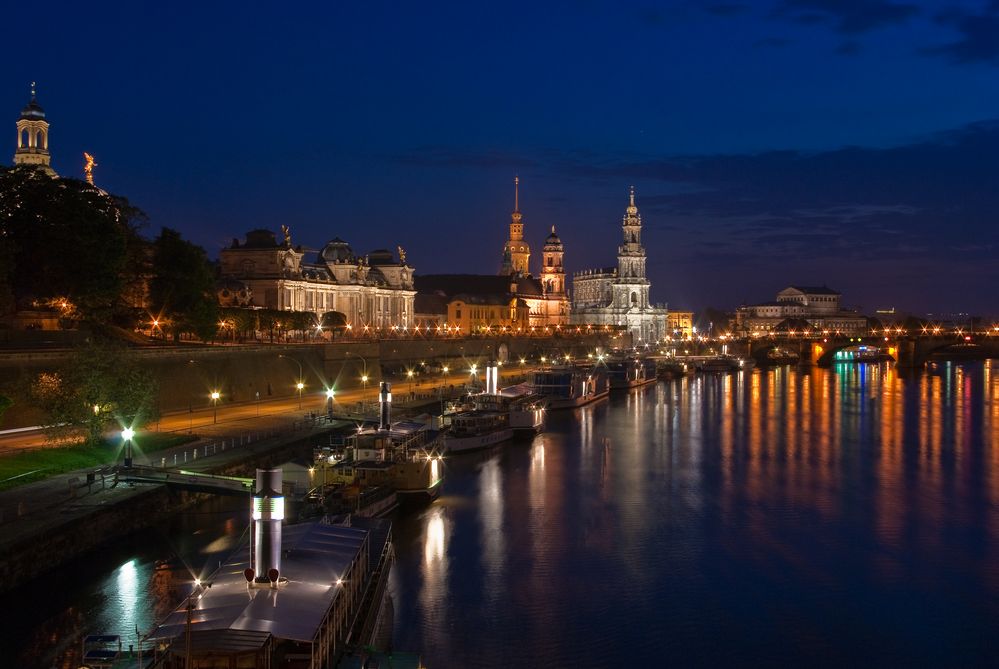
473	442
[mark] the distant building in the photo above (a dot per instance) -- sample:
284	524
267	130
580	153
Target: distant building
549	304
819	307
476	302
680	324
620	295
33	137
373	291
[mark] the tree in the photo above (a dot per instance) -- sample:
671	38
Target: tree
5	403
102	386
182	286
63	239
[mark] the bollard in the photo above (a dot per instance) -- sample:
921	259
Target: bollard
185	457
194	454
163	463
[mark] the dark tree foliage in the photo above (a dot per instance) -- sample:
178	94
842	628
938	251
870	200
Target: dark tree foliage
102	387
5	403
182	286
64	239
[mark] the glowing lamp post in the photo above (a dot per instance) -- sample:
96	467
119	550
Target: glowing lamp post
126	436
300	387
330	393
215	406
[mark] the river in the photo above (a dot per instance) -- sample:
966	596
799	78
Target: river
844	516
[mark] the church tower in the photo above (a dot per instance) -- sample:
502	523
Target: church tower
552	270
516	249
631	290
33	136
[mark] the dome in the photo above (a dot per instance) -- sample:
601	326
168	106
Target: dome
553	239
33	111
337	251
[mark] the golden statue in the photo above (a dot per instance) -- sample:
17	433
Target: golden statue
88	167
402	255
287	234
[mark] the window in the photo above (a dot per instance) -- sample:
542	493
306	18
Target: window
457	314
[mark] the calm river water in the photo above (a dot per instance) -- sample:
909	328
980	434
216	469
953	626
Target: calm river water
836	517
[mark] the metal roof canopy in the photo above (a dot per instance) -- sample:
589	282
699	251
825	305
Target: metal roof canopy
314	557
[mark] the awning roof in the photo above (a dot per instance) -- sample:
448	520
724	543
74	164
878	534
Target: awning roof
314	556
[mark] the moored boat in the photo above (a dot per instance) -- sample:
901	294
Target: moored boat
475	429
631	373
570	387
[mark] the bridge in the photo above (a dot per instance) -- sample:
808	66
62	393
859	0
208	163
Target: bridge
908	351
186	480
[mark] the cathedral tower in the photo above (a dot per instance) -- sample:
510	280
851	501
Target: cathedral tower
33	136
552	270
516	249
632	288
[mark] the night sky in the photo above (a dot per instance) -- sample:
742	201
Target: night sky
853	143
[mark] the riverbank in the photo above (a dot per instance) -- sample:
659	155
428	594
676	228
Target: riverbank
47	524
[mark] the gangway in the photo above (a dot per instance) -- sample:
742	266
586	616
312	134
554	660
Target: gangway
179	478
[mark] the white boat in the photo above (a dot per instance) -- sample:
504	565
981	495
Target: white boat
471	430
526	409
571	387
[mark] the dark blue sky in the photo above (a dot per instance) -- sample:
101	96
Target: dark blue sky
848	142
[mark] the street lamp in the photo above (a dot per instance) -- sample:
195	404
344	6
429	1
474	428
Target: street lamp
409	374
301	375
215	406
126	436
329	402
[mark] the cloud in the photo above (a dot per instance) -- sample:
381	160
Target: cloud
850	17
978	40
918	201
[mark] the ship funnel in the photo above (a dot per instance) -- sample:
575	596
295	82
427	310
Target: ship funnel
384	405
492	377
268	512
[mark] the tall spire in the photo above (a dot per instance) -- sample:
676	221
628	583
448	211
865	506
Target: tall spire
516	193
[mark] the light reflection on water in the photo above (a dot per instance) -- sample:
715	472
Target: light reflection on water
832	517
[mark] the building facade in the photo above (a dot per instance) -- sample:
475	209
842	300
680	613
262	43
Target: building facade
476	302
620	295
819	307
549	303
373	292
680	324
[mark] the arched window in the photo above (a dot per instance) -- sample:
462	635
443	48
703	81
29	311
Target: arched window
634	298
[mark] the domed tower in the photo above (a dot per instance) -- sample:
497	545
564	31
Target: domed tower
518	250
33	136
552	269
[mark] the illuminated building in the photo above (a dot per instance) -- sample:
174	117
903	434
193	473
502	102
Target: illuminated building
33	137
546	297
516	251
819	306
373	291
620	296
680	323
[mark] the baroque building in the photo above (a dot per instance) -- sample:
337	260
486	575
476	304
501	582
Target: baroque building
796	306
33	137
373	291
546	296
620	295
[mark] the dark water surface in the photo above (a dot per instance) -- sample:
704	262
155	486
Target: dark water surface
843	517
836	517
